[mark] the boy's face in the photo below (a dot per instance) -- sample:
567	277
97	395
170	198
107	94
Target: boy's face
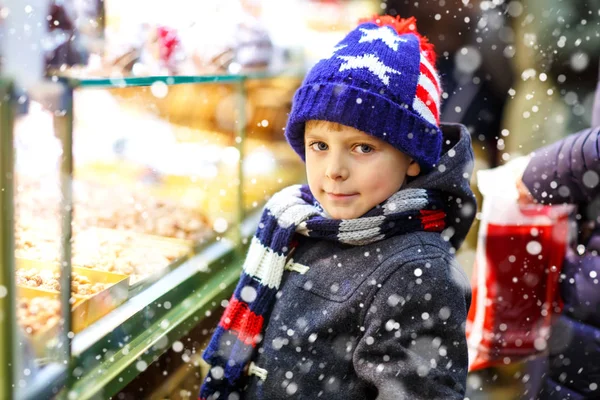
349	172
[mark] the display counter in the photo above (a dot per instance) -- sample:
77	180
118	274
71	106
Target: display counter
128	204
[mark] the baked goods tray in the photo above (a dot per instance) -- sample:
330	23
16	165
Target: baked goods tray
144	258
87	308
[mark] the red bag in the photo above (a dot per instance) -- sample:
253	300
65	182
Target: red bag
519	254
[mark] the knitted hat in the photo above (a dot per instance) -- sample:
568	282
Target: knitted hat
380	79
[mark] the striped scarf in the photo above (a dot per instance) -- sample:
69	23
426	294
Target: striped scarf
295	210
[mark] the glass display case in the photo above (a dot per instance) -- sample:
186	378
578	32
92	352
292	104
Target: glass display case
126	208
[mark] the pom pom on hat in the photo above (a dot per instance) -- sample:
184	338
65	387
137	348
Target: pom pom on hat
380	79
402	26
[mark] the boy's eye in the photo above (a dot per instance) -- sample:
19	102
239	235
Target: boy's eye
318	146
364	148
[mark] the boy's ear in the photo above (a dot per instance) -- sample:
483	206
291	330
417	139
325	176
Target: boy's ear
413	169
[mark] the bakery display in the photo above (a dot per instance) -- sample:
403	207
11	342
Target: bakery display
50	280
125	209
152	180
115	207
127	253
122	252
37	314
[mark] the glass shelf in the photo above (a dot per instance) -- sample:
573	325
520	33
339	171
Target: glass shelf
133	81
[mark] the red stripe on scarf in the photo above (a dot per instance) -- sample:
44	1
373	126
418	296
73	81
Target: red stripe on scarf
433	220
239	319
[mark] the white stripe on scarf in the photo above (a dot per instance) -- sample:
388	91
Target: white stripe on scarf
264	264
406	201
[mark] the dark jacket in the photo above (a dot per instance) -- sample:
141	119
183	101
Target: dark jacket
568	172
384	320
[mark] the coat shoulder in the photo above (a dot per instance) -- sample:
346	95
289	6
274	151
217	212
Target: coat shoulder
420	245
425	253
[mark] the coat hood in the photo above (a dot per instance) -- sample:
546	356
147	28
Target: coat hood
451	176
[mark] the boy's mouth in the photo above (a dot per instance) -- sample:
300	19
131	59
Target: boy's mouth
341	196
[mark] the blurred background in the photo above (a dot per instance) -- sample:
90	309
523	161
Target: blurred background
167	118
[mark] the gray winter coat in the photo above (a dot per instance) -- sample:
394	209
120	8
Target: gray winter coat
379	321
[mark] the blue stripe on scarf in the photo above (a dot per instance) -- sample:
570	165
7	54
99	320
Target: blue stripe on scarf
324	228
398	225
307	196
273	236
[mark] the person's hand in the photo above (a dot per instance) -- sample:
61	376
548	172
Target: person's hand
525	196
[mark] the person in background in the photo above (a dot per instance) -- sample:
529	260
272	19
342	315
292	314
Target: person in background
64	45
372	303
556	47
568	171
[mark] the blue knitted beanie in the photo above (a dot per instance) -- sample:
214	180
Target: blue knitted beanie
380	79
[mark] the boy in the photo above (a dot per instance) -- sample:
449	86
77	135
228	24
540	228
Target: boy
371	303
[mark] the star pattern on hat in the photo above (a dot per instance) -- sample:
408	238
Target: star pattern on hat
385	34
370	62
333	51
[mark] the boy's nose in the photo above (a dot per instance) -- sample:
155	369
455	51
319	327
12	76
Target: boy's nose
336	170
